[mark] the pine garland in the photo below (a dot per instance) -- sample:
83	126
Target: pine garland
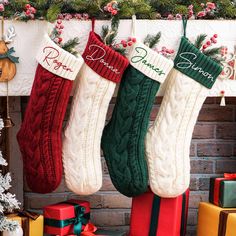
148	9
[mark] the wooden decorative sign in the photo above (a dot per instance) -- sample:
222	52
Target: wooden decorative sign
7	60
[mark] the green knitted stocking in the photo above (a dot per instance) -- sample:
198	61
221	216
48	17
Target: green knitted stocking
123	137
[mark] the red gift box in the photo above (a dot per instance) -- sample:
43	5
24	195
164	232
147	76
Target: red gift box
66	218
216	193
155	216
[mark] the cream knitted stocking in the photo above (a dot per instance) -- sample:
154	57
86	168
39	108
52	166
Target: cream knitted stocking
168	139
81	146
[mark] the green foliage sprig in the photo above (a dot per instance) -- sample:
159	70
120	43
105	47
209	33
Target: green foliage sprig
207	49
152	40
108	35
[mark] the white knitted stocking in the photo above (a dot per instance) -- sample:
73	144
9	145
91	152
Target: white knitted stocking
81	146
168	139
102	70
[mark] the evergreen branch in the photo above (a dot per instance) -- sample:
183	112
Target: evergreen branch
108	35
115	21
152	40
213	52
53	12
105	30
110	38
199	41
70	45
120	50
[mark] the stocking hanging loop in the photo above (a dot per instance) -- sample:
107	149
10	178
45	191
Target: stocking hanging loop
185	21
93	24
133	26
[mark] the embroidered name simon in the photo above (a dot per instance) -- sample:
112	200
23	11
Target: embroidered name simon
187	63
98	54
51	57
142	54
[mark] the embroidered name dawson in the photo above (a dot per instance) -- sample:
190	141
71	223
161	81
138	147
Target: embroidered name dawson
141	57
98	54
51	58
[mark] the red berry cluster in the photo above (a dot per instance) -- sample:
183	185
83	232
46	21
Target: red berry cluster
112	7
58	31
210	42
207	9
29	11
190	11
3	3
128	42
222	92
165	51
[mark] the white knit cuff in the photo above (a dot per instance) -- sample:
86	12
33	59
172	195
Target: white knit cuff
149	62
58	61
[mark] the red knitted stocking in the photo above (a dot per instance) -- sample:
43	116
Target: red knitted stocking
40	134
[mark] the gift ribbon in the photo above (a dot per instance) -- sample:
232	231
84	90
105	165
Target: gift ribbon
9	56
223	221
230	176
156	212
80	219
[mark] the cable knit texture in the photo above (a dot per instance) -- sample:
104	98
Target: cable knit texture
123	137
39	137
81	143
40	134
168	139
82	137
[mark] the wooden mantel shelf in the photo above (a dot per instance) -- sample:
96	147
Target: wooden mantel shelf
30	34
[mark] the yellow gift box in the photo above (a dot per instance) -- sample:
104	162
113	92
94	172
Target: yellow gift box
216	221
30	226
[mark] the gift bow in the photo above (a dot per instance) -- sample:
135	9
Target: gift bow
9	56
89	230
77	221
230	176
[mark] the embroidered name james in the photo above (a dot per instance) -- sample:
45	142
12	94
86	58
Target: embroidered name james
98	54
51	58
187	62
140	57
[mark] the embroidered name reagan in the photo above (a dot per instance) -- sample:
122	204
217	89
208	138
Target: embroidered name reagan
188	63
98	54
51	57
142	54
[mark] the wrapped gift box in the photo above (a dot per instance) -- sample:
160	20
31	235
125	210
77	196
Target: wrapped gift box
223	191
155	216
66	218
216	221
31	223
